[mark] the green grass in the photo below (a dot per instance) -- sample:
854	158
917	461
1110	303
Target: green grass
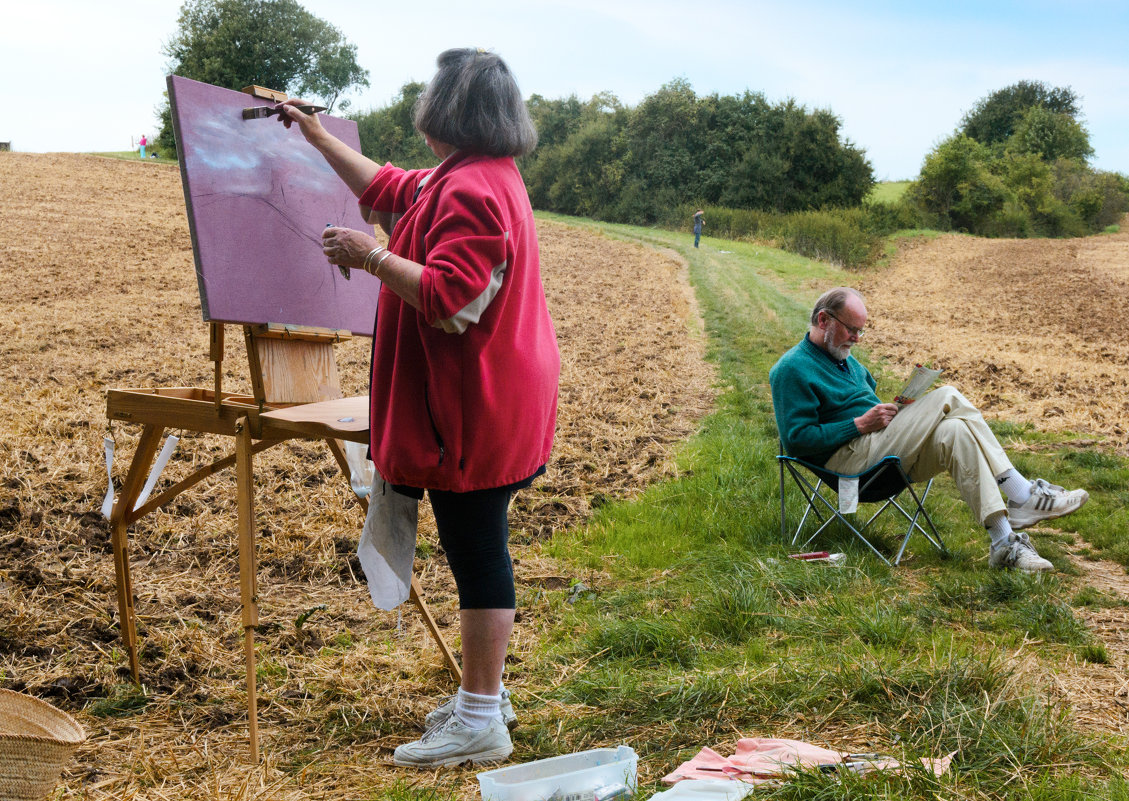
704	631
123	700
131	155
888	191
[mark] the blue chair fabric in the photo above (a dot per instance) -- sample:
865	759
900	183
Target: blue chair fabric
883	483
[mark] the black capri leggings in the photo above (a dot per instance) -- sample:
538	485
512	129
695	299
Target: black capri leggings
474	530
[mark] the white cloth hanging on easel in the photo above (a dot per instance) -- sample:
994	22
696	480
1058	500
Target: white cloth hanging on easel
388	544
154	474
108	501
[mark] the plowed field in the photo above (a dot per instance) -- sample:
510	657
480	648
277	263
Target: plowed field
97	290
1031	330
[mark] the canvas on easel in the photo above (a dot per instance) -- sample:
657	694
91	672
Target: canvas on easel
258	197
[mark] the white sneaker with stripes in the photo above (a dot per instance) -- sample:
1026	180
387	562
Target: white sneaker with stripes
1047	502
1018	554
452	743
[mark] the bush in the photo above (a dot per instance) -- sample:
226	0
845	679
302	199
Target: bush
834	236
956	189
1100	199
847	237
885	218
723	222
965	186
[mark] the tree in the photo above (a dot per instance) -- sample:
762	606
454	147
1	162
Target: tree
273	43
995	118
1018	167
577	160
667	134
1050	135
957	187
388	134
604	160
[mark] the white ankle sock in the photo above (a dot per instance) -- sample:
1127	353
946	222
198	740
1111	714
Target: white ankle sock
476	711
999	529
1015	486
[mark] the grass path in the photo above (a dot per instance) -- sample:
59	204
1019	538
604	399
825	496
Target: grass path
703	633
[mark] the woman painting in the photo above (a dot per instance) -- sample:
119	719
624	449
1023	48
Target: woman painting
465	361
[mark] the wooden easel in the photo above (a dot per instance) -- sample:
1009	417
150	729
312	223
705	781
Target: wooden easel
296	394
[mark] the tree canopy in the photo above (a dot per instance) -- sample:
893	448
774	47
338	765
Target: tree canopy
996	117
599	158
1018	167
273	43
676	147
389	134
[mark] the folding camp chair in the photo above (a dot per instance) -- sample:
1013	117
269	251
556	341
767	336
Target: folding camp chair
883	483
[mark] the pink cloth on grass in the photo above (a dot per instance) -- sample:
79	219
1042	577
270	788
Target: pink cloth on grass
766	759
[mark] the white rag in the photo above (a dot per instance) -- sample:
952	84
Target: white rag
705	790
388	544
848	495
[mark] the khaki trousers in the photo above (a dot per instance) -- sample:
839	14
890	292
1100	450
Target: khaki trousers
940	431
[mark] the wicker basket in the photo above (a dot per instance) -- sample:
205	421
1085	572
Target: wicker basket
36	741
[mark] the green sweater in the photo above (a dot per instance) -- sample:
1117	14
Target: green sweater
816	401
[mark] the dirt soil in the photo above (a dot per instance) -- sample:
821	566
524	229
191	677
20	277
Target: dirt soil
97	290
1031	330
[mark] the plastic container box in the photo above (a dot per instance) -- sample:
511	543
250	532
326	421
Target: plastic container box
573	776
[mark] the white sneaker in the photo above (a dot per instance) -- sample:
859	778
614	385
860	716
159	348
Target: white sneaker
1047	502
447	708
452	743
1019	554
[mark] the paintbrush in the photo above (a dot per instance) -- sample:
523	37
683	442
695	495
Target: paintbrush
261	112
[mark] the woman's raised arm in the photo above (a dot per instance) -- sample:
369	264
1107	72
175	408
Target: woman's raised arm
356	170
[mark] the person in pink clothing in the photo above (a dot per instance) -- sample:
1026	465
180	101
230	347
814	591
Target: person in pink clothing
465	361
142	143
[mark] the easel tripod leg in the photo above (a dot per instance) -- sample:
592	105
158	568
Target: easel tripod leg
429	621
248	581
119	540
338	452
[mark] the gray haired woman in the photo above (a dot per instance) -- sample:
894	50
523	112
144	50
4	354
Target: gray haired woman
465	361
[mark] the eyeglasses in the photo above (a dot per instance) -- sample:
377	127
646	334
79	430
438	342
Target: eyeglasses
855	332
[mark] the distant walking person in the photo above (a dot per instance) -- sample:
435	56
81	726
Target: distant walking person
698	223
143	142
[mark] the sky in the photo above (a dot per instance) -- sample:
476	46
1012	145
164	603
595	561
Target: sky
77	75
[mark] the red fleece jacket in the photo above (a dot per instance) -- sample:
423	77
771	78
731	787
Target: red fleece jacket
477	409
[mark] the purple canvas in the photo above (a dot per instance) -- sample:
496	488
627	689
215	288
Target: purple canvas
258	198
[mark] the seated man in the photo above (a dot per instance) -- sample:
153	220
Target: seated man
828	414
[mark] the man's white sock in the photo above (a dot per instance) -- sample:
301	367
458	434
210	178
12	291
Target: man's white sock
476	711
999	529
1015	486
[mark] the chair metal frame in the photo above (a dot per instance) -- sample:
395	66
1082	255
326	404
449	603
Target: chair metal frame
883	483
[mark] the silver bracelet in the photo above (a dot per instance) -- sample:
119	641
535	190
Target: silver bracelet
380	261
368	259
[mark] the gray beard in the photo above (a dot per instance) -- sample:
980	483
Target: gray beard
840	353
